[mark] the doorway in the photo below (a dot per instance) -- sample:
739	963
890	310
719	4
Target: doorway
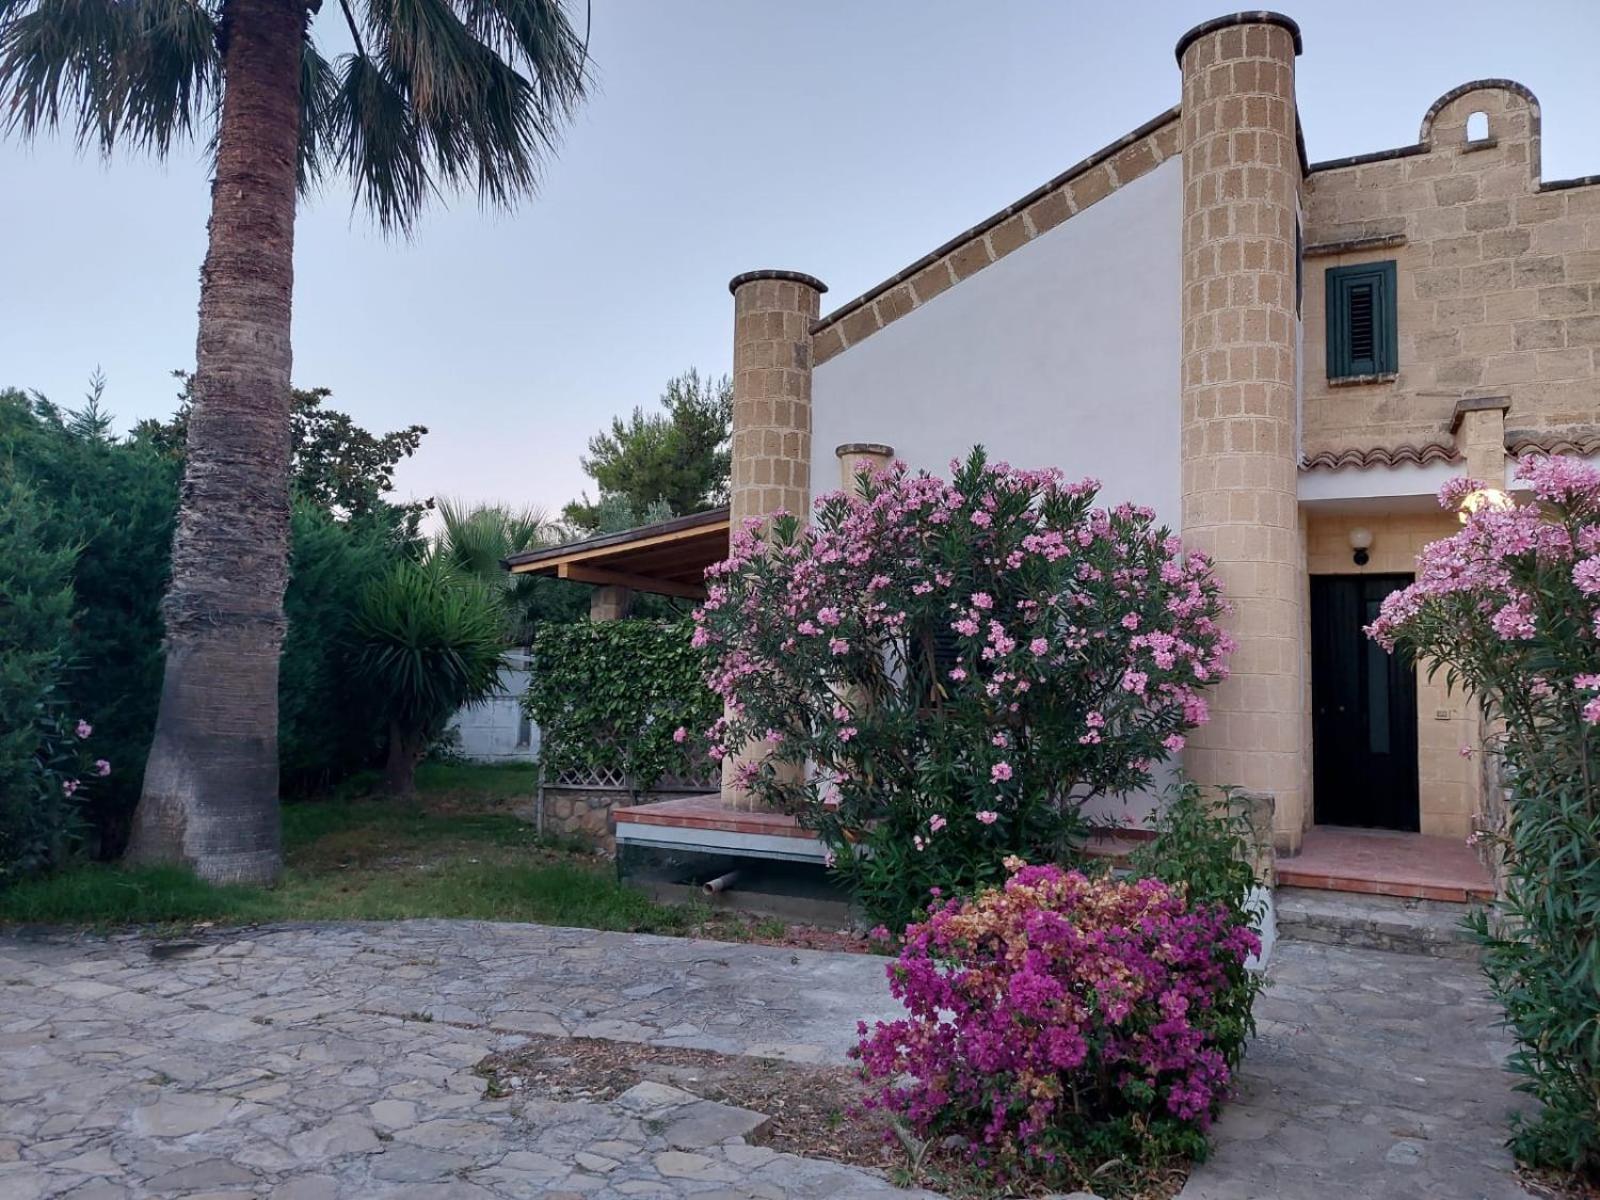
1364	709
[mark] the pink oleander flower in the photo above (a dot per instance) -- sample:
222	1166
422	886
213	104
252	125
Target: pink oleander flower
70	786
936	822
982	600
84	729
680	735
1000	772
102	768
987	816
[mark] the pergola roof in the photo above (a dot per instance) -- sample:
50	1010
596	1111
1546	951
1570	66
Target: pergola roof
668	558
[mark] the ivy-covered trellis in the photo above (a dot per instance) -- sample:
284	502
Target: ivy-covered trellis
609	698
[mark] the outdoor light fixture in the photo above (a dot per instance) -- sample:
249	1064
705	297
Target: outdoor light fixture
1361	542
1490	498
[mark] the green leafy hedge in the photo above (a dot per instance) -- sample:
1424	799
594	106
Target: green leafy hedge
613	694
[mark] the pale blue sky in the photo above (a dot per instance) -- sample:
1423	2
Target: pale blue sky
843	139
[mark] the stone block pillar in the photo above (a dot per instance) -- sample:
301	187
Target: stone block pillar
773	312
856	456
1240	450
1479	425
610	603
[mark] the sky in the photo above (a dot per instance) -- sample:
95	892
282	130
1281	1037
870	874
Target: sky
844	139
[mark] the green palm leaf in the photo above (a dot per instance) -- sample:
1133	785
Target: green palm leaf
439	95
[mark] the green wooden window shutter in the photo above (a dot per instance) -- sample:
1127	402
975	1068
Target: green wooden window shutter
1363	335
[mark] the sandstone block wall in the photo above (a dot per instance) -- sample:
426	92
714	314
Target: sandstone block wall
1499	278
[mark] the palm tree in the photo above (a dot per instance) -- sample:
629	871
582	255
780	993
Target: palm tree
434	95
476	540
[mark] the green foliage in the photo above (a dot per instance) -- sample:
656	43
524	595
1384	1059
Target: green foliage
113	504
616	694
476	540
1509	610
327	726
36	603
433	98
428	641
656	465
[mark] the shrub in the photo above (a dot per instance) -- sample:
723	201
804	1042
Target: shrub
113	504
1206	848
619	696
428	641
938	674
1059	1023
1510	608
327	723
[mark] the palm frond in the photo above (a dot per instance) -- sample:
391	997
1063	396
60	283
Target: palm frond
319	85
455	98
135	70
372	133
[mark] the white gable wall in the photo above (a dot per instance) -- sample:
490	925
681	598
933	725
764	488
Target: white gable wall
1063	353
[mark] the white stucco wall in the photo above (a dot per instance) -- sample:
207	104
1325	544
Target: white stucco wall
1064	353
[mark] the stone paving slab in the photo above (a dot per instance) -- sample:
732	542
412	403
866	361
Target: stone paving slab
326	1062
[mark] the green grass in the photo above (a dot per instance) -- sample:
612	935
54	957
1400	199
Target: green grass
457	850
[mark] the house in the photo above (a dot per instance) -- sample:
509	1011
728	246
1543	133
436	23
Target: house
1284	357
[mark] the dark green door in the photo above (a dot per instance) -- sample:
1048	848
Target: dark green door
1364	709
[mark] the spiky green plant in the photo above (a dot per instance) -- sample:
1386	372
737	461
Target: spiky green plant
429	641
433	96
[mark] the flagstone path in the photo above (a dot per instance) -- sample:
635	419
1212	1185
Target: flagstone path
332	1062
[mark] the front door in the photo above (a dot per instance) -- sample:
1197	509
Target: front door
1364	709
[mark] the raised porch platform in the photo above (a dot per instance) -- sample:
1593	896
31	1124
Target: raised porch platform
706	823
1381	862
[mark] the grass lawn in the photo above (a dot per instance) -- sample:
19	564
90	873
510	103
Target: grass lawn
457	850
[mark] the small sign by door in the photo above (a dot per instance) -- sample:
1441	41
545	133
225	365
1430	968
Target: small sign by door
1364	709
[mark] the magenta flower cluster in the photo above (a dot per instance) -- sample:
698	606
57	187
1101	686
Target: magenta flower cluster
1057	1003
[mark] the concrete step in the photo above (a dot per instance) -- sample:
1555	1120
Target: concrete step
1430	927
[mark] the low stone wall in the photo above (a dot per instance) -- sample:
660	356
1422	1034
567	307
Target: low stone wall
584	812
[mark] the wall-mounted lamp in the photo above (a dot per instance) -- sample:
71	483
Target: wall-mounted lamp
1490	498
1361	542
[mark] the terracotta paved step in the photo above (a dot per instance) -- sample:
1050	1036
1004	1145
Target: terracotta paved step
1381	862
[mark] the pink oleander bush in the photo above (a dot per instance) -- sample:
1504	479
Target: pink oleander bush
1066	1027
939	673
1509	608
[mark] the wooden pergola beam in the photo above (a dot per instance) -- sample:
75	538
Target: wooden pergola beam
582	573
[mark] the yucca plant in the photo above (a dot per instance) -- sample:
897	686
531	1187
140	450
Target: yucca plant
434	95
429	641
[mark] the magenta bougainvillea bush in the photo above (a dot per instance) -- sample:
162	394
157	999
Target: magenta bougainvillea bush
1509	608
1058	1024
938	673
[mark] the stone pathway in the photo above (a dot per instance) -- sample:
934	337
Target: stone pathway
317	1063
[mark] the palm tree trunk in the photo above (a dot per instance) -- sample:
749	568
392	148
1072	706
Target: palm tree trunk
400	770
211	786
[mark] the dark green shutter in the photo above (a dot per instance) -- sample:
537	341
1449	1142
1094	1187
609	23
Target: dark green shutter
1363	327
